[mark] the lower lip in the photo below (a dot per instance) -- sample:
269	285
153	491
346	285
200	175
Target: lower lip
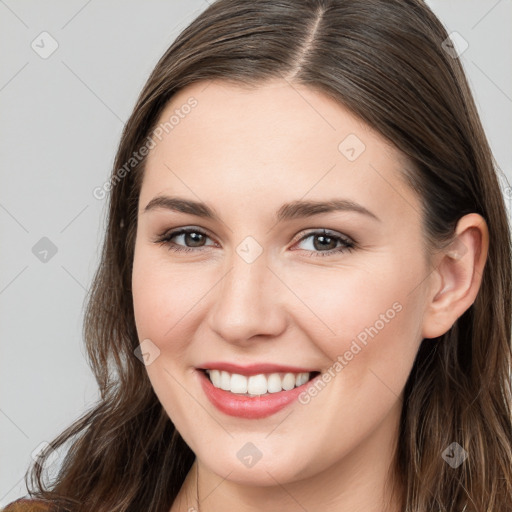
250	407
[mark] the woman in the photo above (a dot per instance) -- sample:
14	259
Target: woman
303	301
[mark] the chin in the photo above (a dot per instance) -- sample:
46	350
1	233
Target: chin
262	466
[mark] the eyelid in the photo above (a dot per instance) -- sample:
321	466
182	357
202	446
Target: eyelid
181	230
324	231
349	242
297	238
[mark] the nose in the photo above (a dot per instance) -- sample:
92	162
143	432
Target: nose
248	302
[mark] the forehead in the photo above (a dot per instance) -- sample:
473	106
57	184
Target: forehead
278	142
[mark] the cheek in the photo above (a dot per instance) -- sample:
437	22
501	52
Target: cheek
357	305
377	326
370	330
163	300
163	295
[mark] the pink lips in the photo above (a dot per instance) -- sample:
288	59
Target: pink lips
250	407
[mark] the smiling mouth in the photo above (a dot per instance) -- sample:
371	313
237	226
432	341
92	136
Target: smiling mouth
257	385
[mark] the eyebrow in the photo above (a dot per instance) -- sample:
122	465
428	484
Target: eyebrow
288	211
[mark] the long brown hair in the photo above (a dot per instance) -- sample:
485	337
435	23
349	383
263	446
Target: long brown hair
384	60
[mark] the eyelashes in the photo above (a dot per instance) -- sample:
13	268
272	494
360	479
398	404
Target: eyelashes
166	239
196	235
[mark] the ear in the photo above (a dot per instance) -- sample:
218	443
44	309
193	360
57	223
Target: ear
455	282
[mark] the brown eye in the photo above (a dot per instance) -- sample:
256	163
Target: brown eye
186	239
193	239
324	243
321	242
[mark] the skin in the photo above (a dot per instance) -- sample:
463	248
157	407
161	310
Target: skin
245	152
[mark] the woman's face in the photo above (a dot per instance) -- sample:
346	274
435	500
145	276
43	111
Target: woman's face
269	284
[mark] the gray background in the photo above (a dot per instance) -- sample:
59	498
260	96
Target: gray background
61	121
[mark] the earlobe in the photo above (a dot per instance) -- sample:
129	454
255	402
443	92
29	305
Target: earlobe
457	276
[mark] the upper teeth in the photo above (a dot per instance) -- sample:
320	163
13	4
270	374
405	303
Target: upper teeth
256	384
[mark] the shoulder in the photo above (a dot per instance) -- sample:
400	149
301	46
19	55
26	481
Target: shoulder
26	505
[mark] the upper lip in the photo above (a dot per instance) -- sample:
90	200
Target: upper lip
254	368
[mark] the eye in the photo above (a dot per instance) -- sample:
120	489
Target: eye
321	242
193	236
324	243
